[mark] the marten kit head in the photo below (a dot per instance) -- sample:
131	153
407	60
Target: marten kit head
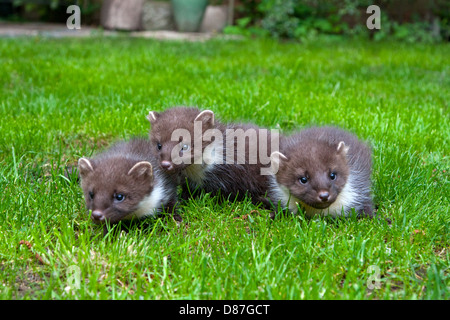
314	171
172	136
114	186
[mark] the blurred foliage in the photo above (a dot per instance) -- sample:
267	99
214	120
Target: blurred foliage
405	20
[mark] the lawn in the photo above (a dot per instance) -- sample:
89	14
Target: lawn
61	99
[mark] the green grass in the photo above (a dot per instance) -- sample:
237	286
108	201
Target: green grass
61	99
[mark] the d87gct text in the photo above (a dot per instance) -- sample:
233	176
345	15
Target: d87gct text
245	309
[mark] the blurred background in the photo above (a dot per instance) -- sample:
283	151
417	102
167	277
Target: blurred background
404	20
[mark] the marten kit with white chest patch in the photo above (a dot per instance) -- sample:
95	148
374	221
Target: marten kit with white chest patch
201	153
324	171
124	182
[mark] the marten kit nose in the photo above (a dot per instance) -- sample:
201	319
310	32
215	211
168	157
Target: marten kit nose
97	216
323	196
167	165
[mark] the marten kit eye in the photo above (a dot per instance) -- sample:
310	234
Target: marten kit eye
119	197
333	175
91	195
158	146
303	180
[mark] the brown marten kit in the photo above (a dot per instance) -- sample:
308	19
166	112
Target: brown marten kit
323	170
201	153
125	182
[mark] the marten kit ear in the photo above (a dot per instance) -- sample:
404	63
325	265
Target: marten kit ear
206	117
142	169
152	116
85	167
342	148
277	160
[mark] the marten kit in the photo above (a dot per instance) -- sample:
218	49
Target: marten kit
125	182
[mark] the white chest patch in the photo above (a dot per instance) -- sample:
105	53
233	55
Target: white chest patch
339	207
150	204
282	194
196	172
212	156
343	202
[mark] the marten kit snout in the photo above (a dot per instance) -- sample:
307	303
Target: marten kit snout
324	171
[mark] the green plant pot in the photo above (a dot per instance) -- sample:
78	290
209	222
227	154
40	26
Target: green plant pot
188	14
